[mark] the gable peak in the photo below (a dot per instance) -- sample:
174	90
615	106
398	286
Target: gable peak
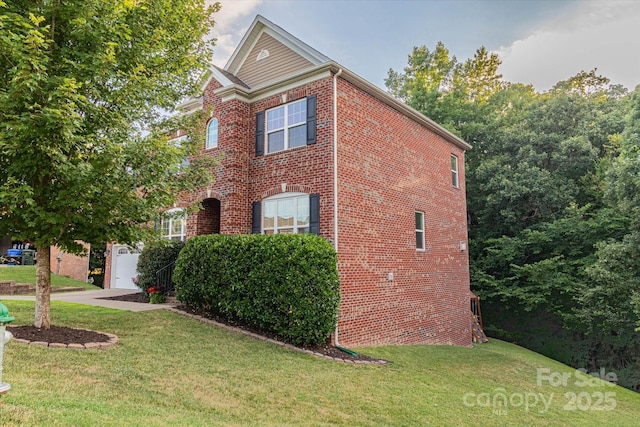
260	26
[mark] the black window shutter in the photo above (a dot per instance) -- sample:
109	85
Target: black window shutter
260	133
256	217
314	213
311	120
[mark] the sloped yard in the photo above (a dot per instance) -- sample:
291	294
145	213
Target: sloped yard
27	274
169	370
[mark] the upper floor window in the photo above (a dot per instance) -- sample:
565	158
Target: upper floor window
287	126
174	224
212	134
420	231
286	213
454	171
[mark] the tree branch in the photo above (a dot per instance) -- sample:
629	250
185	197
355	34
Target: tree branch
54	13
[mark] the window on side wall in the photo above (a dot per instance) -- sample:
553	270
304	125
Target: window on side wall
454	171
286	214
419	231
287	126
212	134
174	225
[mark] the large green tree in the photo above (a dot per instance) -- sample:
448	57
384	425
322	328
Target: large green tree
452	93
552	184
84	155
609	301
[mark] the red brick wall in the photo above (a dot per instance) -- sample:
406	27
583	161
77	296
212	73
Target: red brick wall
230	187
307	169
389	167
74	266
243	178
107	266
208	217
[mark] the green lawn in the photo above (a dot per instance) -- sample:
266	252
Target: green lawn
27	274
169	370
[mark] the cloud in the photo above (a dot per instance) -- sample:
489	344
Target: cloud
602	35
231	23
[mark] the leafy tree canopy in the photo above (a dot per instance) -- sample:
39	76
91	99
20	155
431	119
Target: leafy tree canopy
83	148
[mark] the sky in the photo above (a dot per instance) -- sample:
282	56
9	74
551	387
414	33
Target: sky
539	42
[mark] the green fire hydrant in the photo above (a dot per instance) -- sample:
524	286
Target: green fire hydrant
5	336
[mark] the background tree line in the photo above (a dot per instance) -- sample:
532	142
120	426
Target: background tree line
553	194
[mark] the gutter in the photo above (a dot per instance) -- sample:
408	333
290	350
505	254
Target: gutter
400	106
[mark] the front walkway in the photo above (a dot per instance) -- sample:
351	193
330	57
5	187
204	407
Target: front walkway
93	298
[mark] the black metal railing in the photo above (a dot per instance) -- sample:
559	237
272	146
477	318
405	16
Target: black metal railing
164	278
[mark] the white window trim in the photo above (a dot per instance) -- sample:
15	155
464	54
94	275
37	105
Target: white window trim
206	141
421	231
277	197
455	176
286	127
173	216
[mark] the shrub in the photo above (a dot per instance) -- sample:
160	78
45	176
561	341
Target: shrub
153	258
285	284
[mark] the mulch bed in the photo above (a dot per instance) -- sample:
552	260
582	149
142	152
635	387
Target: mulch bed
57	334
137	297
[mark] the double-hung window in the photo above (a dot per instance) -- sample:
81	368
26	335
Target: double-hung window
286	214
454	171
287	126
419	231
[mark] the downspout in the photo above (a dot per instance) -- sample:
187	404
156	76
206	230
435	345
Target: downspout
335	176
335	192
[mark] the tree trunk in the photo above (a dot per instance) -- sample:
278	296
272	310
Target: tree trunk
43	289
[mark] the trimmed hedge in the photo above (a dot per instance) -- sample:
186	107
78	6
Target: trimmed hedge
153	258
285	284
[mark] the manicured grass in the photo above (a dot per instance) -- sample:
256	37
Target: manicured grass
27	274
169	370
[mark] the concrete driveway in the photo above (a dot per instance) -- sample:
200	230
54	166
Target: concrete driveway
94	298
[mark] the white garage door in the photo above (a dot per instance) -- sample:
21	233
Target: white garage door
123	268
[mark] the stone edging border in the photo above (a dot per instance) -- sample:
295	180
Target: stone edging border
272	341
113	340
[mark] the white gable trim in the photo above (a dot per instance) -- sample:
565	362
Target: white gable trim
323	71
190	105
262	25
274	87
322	67
214	73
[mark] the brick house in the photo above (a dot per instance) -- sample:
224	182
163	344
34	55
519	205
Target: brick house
309	146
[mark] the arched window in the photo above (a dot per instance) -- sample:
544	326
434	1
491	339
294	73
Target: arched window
212	134
174	224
